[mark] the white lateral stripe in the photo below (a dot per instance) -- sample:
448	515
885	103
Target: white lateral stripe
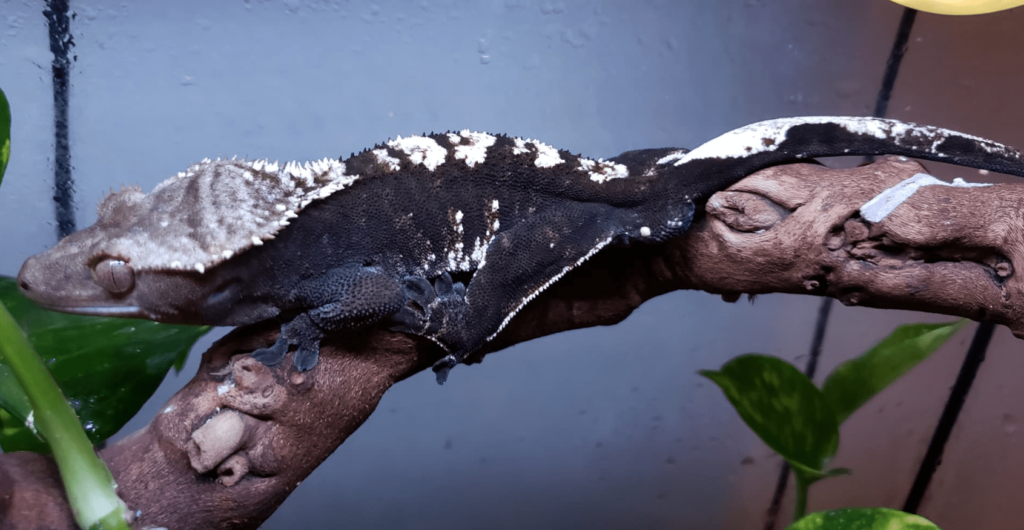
884	203
600	244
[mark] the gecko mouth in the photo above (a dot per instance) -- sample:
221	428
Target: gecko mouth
98	311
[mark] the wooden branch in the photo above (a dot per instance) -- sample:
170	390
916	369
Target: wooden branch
237	439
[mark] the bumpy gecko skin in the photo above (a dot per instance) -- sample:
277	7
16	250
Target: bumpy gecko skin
377	238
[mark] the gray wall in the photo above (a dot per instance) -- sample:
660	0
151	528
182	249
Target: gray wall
603	428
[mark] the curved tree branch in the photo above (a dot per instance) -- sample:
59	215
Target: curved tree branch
236	440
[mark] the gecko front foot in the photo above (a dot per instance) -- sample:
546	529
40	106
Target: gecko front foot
302	332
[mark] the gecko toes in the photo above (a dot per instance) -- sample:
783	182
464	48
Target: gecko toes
274	354
443	284
443	367
307	356
301	331
419	290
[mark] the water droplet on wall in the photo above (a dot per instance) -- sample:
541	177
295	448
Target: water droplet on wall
1009	424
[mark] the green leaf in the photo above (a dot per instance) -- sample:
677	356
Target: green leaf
782	407
5	134
15	437
106	367
862	519
856	381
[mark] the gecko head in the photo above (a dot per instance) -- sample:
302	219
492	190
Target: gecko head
93	272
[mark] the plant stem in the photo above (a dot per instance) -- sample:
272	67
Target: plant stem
802	485
87	481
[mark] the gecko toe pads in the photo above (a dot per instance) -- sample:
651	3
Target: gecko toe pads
301	332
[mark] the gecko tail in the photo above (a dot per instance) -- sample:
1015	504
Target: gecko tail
732	156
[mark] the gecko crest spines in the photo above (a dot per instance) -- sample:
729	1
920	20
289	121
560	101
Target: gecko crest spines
265	197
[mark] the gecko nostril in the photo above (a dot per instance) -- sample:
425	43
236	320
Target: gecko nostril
24	285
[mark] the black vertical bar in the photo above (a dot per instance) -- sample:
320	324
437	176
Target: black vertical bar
892	69
957	397
59	24
892	65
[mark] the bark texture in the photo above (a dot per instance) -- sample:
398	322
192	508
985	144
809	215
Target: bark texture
232	444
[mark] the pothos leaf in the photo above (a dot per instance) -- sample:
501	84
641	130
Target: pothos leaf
862	519
106	367
783	407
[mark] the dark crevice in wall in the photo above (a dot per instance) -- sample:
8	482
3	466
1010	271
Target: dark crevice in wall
957	397
59	23
892	68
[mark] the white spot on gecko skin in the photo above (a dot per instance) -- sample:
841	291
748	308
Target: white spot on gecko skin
454	138
224	388
280	207
458	222
169	409
645	231
458	257
175	264
201	268
522	303
884	203
421	150
476	150
602	171
383	157
257	241
767	135
547	156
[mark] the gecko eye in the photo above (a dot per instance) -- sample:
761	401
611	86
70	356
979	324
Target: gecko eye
114	275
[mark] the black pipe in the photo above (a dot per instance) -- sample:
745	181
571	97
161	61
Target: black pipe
59	24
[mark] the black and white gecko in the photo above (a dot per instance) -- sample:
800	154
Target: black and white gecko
331	244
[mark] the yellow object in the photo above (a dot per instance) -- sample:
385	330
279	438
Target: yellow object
960	7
